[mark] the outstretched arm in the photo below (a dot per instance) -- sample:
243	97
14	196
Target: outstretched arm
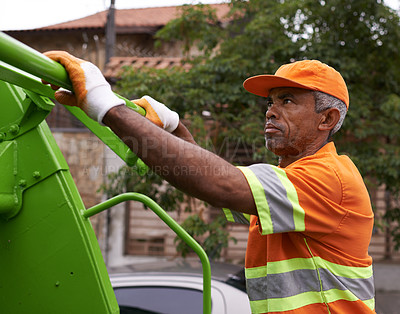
188	167
182	132
185	165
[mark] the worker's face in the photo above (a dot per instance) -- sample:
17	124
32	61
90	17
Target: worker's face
291	122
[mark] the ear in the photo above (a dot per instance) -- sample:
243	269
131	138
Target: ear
330	117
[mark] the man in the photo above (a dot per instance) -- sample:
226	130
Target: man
310	218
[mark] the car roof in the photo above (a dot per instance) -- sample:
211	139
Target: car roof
229	273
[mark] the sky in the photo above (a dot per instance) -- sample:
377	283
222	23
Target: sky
27	14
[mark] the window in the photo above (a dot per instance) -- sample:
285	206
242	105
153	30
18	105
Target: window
157	300
151	246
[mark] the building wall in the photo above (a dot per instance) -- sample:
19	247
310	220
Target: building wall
84	153
382	245
87	44
149	235
90	44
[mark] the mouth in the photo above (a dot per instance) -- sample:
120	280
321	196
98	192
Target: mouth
271	128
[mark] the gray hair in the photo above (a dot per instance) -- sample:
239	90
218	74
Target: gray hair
325	101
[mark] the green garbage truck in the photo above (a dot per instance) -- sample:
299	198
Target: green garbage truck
50	260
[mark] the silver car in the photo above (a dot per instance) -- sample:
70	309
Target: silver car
175	287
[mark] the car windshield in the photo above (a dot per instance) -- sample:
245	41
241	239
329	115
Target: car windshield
159	300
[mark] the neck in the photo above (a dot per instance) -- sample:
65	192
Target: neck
286	160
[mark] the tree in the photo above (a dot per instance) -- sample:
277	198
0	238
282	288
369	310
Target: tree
362	40
358	38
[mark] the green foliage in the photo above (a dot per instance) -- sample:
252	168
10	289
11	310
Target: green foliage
358	38
394	215
126	179
196	25
217	237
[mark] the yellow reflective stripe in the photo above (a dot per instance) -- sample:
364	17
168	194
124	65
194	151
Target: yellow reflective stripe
285	304
351	272
290	265
256	272
228	215
300	300
336	294
279	267
291	193
370	303
259	198
307	263
234	216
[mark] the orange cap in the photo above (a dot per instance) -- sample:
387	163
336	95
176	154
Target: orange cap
307	74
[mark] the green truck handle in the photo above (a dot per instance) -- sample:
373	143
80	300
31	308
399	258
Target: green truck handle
50	259
23	66
33	62
173	225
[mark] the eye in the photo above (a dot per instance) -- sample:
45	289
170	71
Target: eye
269	103
286	101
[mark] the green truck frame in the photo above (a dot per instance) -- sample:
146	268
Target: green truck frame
50	260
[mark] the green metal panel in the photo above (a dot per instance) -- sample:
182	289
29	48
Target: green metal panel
50	259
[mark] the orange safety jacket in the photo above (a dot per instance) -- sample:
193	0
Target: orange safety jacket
307	249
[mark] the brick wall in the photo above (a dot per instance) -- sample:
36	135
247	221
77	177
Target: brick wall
84	154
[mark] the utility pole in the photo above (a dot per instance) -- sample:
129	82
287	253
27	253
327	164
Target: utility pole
110	43
110	32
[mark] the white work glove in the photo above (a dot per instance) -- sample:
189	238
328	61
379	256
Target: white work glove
92	93
158	113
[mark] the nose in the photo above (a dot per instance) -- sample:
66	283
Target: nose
271	112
